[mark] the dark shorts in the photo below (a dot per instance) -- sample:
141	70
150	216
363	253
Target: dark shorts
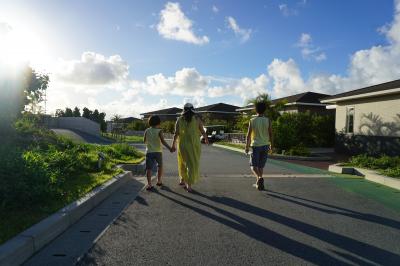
259	156
152	159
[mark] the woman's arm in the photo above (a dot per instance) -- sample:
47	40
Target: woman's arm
161	135
176	134
248	139
144	136
201	128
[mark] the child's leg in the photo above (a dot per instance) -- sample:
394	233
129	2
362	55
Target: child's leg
160	174
148	175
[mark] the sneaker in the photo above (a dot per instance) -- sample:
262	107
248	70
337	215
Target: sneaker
260	184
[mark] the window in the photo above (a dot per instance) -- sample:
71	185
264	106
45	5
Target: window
350	120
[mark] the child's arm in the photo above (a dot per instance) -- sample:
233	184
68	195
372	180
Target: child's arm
144	136
201	128
163	140
248	139
270	136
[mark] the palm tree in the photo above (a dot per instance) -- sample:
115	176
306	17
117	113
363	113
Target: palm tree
272	109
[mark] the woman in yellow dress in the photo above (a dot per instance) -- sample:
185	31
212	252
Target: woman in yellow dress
187	133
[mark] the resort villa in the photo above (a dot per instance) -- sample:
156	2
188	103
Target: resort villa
302	102
169	114
368	119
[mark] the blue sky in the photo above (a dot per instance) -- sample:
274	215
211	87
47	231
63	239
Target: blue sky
231	50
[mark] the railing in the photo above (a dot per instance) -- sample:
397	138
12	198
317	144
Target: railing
235	137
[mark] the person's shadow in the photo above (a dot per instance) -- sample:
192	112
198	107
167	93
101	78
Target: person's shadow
364	253
331	209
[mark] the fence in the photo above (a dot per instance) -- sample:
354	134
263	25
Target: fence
235	137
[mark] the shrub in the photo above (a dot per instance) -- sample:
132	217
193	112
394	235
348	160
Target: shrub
292	129
387	165
299	150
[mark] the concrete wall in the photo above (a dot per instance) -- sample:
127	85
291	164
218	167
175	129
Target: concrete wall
378	116
75	123
376	126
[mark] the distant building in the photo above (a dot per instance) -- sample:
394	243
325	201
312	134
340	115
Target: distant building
302	102
169	114
111	125
368	119
219	111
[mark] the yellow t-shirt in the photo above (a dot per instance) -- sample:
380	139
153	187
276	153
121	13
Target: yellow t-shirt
259	131
153	141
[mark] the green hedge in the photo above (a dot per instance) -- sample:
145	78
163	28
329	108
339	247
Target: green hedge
293	130
386	165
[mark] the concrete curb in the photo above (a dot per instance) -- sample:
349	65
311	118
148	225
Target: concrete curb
367	174
134	168
18	249
278	156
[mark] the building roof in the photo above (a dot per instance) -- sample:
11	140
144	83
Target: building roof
218	108
168	111
129	119
374	90
305	98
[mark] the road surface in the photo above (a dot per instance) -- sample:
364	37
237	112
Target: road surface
300	219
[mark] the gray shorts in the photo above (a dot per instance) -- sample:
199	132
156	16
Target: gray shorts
152	159
259	156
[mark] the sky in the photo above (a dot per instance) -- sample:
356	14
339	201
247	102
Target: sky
129	57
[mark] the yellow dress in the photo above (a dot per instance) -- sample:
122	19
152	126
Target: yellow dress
189	150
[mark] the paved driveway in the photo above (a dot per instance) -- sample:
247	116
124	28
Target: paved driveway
301	219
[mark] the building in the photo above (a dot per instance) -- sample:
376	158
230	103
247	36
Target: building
368	119
169	114
121	124
302	102
219	111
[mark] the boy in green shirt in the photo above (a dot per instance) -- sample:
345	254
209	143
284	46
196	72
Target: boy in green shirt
153	137
259	137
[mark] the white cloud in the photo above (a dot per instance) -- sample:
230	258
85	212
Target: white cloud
286	11
245	87
93	69
4	28
175	25
187	81
366	67
215	9
244	34
309	50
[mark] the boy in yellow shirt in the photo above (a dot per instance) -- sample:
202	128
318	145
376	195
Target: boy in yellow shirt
259	137
153	137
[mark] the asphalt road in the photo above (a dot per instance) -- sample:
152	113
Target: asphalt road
298	220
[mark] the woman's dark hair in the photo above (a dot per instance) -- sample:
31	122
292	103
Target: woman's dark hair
154	120
261	107
188	114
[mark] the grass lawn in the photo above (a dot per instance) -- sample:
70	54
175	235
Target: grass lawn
41	172
127	139
16	220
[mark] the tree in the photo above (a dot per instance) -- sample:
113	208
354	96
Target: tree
60	113
68	112
86	113
36	86
77	112
272	110
95	116
103	124
116	118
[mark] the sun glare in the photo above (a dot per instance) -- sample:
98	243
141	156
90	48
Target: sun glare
20	45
